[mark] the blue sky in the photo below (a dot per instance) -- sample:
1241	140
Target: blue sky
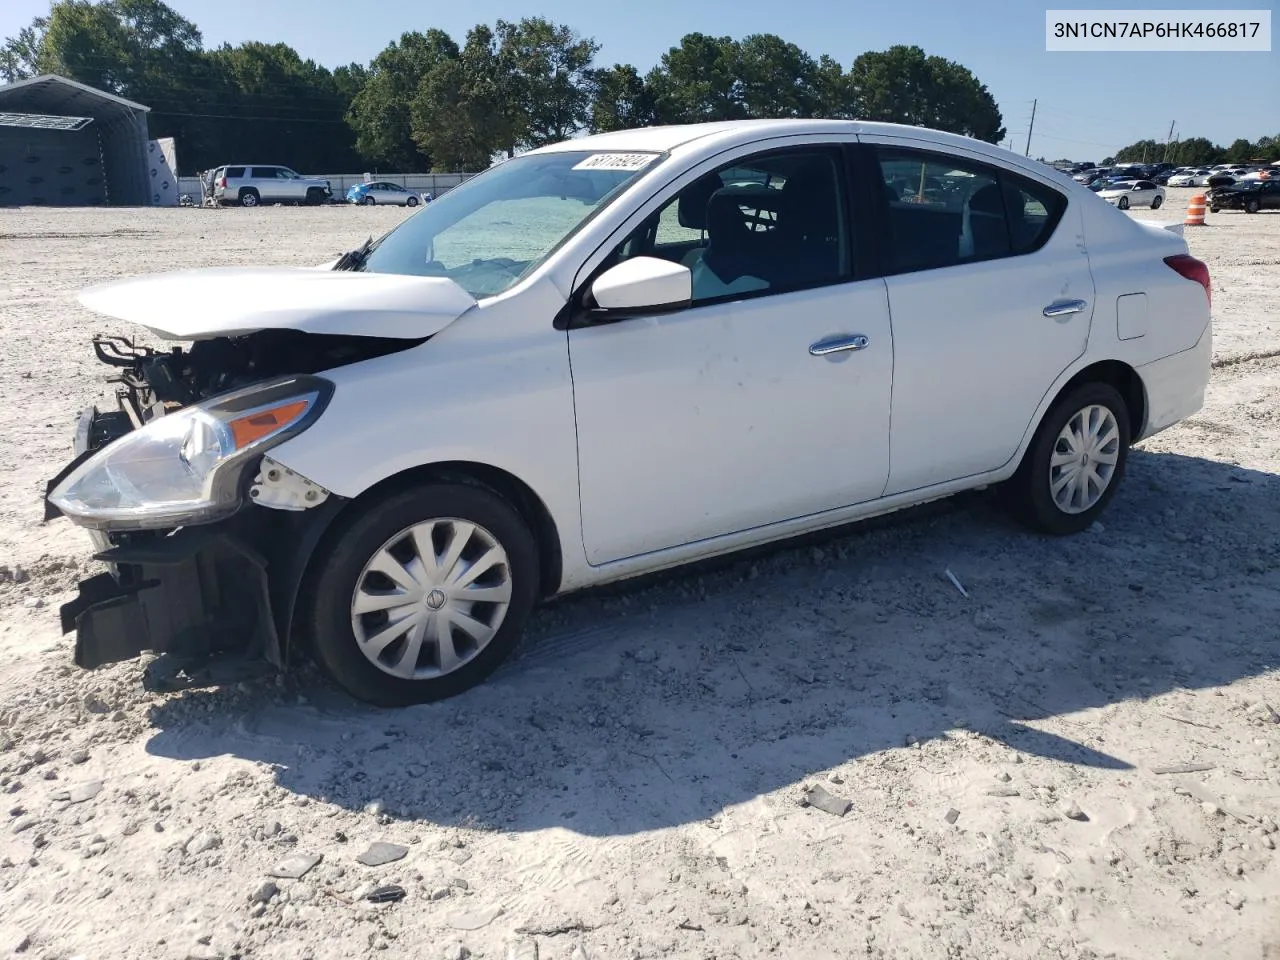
1089	103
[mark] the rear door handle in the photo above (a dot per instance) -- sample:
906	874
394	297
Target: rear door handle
1064	308
840	344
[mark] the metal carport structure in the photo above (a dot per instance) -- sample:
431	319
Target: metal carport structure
65	143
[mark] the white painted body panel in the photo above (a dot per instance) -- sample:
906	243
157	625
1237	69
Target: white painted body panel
709	430
974	354
717	419
229	301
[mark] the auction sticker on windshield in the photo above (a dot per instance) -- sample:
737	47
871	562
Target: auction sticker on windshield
616	161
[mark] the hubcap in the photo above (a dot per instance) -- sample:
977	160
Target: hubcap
1084	459
431	598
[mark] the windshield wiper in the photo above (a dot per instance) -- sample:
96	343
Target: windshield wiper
354	259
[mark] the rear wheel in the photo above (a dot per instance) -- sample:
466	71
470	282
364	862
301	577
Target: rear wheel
249	197
367	201
424	595
1252	205
1075	462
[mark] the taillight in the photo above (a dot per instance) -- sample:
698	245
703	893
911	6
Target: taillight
1193	269
222	182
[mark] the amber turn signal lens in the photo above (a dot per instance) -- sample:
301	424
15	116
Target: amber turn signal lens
255	426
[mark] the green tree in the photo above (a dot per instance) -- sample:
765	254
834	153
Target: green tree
86	42
350	80
1196	151
698	81
777	78
620	100
833	91
903	85
1144	151
546	72
287	109
20	54
1240	151
463	112
380	112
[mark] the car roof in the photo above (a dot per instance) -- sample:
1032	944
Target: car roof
663	139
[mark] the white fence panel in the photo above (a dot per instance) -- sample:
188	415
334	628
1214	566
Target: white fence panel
433	183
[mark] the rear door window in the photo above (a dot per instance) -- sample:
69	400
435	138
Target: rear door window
264	173
235	173
942	210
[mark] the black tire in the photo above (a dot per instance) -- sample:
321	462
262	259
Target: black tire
330	589
1155	202
1214	209
315	196
1252	205
367	201
1029	487
411	202
1123	203
249	197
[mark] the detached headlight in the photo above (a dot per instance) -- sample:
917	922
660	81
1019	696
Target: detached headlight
185	467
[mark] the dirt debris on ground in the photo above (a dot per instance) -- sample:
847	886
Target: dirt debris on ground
1074	756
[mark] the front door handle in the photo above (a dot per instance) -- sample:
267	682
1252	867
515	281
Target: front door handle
838	344
1064	308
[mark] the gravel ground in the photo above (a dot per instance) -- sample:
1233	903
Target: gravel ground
1078	759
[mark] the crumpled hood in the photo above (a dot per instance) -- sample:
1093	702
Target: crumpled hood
230	301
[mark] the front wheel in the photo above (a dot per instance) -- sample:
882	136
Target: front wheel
1155	202
411	202
423	595
1124	203
1252	205
1075	462
1214	209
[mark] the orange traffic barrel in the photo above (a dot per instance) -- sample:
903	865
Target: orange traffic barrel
1195	211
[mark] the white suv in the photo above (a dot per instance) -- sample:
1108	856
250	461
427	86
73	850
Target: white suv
251	184
606	357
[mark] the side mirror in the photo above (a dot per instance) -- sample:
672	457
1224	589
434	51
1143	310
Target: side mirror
642	285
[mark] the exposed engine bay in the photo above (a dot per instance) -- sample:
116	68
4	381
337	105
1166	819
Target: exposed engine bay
154	382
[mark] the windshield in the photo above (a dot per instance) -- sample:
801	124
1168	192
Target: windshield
488	233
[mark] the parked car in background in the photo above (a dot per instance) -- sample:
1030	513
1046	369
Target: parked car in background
1133	193
1088	176
1186	178
251	184
1247	195
393	460
382	191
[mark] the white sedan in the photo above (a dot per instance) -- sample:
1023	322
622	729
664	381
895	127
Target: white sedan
1187	179
1133	193
606	357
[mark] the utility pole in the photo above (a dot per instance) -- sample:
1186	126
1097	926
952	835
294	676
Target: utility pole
1030	126
1168	140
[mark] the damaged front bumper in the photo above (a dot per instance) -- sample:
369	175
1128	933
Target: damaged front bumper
196	595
